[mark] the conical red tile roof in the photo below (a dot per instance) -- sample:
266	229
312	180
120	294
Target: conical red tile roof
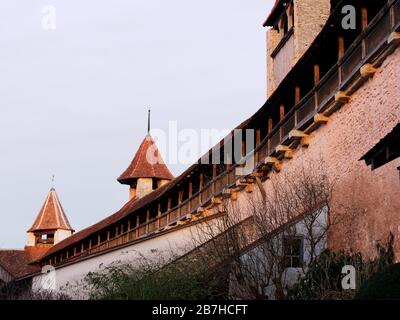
147	163
51	216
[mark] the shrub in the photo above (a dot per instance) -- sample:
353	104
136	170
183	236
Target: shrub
384	284
323	277
125	282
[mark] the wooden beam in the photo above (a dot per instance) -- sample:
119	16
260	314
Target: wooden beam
190	189
364	18
276	164
216	200
201	181
169	204
394	38
297	134
108	235
98	238
271	160
270	124
249	188
288	154
180	196
316	73
297	95
214	170
243	149
342	97
320	118
258	137
234	195
281	111
340	47
302	136
368	70
305	141
200	209
257	175
282	148
225	193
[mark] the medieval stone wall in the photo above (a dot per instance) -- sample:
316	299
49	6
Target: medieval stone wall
373	111
310	17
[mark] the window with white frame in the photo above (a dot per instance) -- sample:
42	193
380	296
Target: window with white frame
293	252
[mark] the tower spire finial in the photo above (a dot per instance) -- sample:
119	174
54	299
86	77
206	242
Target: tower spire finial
52	180
148	121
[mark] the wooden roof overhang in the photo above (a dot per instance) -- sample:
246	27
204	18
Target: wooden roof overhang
275	12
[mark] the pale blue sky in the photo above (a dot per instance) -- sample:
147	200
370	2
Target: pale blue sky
73	101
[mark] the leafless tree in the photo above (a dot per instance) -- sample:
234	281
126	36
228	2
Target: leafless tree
249	239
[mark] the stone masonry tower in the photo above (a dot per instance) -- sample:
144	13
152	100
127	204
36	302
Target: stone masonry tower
294	26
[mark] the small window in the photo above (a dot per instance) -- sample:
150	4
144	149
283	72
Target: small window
155	184
293	251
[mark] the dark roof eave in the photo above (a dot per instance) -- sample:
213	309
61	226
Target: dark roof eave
273	15
50	229
392	135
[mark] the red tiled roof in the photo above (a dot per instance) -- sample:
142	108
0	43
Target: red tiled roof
52	215
130	207
147	163
16	262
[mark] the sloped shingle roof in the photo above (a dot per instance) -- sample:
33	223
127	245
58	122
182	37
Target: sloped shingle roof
17	262
147	163
51	216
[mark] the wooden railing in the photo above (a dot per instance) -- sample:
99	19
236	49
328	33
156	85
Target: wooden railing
180	212
364	48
